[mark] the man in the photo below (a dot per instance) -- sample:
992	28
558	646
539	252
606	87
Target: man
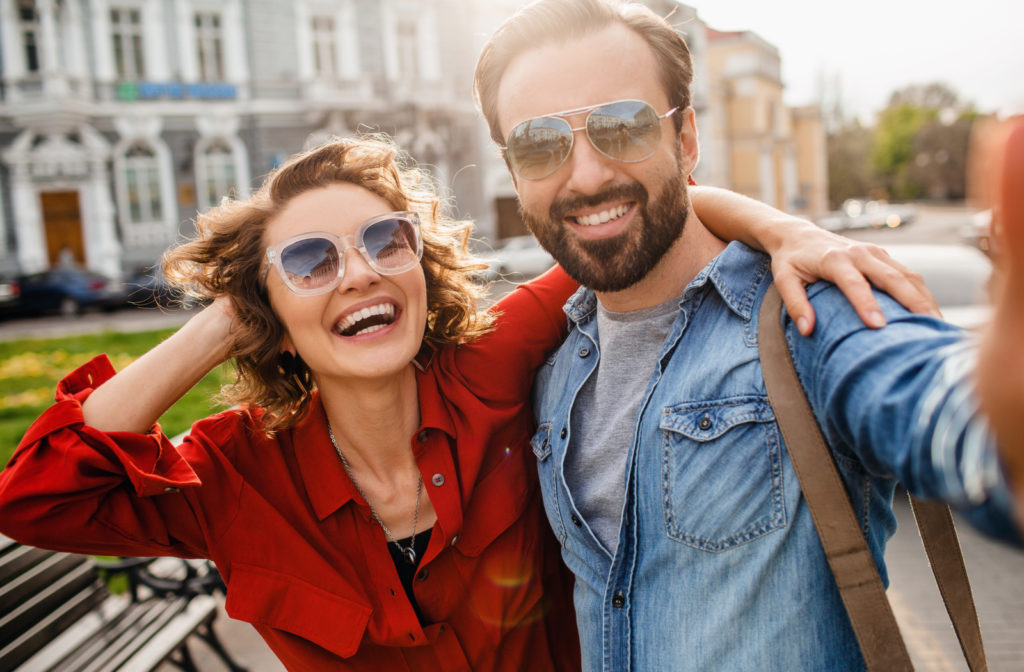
663	472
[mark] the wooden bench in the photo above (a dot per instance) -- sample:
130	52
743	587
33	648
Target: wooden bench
56	613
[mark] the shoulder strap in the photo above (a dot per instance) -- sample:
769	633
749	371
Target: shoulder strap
845	546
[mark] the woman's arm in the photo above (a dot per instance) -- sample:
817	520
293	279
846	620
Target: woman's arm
136	397
803	253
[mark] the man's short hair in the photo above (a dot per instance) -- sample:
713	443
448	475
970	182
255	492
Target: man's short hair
558	21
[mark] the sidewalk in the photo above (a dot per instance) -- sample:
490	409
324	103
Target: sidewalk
995	571
128	319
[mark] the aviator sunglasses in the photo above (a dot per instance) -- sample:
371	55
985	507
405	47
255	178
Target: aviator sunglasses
624	130
314	262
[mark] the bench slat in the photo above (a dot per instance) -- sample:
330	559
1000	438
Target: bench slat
201	609
14	653
82	631
56	615
122	641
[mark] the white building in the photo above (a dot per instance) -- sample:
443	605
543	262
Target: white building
120	119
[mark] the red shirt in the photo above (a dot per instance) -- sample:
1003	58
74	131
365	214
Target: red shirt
303	561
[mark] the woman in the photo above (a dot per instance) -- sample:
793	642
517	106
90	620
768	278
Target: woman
371	500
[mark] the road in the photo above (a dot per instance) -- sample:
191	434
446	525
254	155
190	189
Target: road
934	224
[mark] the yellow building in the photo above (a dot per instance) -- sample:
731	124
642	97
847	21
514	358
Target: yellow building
759	147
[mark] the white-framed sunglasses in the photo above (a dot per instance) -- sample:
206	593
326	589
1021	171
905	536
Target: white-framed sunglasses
313	263
623	130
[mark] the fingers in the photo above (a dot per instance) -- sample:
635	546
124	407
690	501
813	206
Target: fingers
1000	374
794	297
1010	189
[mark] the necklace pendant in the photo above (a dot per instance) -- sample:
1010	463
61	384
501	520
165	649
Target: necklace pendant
410	554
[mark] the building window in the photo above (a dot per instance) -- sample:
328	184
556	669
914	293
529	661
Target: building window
407	38
126	31
29	20
210	44
217	174
142	184
325	53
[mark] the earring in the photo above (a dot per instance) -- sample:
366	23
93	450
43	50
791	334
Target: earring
290	365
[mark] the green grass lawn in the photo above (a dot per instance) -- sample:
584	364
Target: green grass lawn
31	368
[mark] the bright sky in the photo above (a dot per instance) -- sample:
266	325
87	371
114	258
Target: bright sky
878	46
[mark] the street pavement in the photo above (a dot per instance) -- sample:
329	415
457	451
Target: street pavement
995	569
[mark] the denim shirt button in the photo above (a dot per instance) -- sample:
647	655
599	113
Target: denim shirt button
705	422
564	432
584	352
576	520
619	600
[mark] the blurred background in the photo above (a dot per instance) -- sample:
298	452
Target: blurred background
120	120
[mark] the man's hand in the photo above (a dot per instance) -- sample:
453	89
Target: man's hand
1001	359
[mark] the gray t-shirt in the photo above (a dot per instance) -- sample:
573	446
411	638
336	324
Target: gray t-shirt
604	414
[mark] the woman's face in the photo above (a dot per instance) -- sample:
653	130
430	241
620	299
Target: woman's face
370	325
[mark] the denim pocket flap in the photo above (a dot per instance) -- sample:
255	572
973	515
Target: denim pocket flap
708	420
541	442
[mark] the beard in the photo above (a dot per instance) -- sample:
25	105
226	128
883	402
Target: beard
616	263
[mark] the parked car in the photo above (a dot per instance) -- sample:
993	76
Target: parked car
10	290
520	256
978	231
957	275
859	214
147	288
69	291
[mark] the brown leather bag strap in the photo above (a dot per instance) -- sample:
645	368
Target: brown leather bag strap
935	523
846	549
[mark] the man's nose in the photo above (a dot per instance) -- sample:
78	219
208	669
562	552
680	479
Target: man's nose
590	171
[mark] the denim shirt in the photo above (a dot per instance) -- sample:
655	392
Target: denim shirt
718	565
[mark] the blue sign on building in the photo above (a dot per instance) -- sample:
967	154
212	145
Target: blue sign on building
176	91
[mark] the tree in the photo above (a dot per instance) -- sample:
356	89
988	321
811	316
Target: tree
849	163
920	143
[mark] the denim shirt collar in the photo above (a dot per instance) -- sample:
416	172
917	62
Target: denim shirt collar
736	273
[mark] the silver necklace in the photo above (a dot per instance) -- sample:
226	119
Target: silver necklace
409	552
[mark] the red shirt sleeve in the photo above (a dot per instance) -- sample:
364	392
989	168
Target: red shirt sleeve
72	487
531	323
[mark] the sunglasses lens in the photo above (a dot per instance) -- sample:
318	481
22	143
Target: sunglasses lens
310	263
628	130
393	244
537	147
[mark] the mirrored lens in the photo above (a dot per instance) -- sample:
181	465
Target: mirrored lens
391	243
536	148
310	263
628	130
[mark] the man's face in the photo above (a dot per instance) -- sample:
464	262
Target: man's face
607	222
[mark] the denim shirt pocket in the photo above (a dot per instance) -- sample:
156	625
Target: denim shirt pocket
721	472
541	444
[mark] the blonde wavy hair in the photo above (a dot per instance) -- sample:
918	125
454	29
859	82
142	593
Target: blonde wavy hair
227	254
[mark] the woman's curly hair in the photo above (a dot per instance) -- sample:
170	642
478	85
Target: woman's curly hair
227	256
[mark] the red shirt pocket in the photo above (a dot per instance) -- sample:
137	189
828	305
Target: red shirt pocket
261	596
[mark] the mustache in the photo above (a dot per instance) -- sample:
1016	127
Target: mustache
634	191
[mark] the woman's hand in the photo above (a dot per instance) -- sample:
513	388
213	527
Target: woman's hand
805	253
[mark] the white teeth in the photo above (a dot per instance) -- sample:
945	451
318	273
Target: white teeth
602	217
386	309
